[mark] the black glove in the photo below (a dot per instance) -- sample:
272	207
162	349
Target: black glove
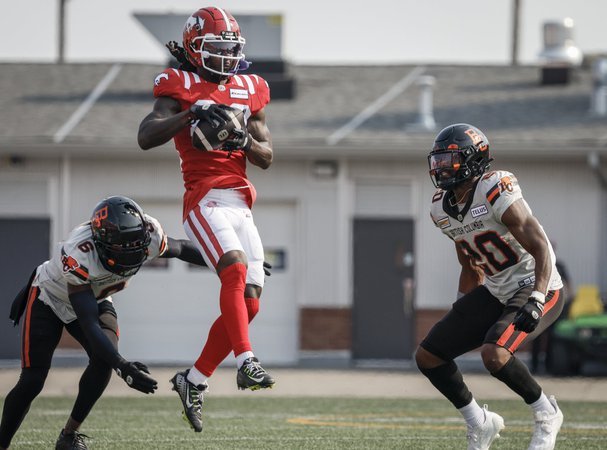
213	113
240	140
266	268
134	373
528	316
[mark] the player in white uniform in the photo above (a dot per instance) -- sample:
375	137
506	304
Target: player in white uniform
509	287
73	290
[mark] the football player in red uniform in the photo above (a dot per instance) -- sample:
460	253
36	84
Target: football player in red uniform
72	290
509	288
218	195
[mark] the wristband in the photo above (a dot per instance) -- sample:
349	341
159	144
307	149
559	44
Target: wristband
538	296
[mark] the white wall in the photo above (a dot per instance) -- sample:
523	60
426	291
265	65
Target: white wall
564	196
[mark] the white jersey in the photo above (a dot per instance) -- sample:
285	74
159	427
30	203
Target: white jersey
478	228
76	262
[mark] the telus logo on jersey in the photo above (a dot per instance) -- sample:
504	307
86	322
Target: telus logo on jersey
480	210
239	93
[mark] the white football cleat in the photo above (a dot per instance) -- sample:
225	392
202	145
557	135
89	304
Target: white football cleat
547	426
481	436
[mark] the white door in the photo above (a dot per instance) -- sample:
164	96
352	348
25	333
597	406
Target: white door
275	330
166	312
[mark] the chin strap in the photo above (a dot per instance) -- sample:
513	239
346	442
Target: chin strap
243	64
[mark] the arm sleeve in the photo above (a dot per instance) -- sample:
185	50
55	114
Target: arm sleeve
85	307
184	250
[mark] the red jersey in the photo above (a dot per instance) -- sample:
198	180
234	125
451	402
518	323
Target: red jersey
202	170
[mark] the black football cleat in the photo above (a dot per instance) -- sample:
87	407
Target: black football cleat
252	376
71	441
191	398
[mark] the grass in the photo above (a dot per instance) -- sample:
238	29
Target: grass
149	423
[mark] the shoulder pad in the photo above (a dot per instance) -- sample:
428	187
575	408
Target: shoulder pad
173	81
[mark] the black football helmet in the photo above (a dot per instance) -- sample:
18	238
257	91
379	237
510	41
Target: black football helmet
460	153
121	235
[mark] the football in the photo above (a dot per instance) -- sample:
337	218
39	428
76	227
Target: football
206	138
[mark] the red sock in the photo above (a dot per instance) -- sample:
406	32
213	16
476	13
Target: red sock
218	343
231	329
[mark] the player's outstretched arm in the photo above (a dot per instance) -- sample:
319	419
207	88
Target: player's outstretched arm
164	122
260	154
184	250
84	303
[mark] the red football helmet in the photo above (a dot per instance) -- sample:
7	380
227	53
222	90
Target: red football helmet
212	40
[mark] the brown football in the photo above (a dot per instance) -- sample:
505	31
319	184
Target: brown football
206	138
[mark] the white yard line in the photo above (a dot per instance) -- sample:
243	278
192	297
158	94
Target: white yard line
382	101
87	104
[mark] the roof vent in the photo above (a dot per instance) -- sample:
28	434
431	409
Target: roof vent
425	120
560	55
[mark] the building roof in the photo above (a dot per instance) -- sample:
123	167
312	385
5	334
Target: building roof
43	109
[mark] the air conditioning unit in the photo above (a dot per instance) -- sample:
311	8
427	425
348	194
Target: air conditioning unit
560	55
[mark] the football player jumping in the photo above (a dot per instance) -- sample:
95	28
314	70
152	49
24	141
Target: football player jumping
73	290
509	287
218	195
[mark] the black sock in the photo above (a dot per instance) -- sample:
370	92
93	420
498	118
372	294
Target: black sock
449	381
516	376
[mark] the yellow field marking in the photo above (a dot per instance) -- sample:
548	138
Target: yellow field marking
350	421
336	423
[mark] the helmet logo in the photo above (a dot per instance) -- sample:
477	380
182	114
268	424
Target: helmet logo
99	216
473	135
476	138
160	77
194	22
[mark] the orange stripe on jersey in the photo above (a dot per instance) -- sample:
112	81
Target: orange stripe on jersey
82	272
493	193
25	349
